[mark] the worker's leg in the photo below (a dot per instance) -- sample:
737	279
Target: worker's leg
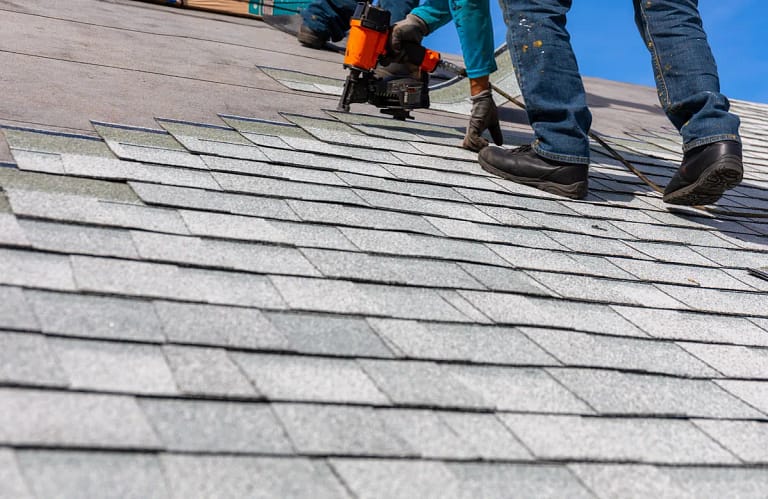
546	68
329	18
398	9
685	71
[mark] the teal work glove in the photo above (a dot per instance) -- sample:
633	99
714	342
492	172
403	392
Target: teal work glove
484	117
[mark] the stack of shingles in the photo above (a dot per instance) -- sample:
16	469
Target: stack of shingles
327	308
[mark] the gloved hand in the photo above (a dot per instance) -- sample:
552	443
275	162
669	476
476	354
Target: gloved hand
484	116
411	29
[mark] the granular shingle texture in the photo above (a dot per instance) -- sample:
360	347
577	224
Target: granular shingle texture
231	290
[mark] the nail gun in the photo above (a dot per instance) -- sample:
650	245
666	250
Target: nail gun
369	46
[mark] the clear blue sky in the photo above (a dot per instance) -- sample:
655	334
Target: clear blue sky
607	45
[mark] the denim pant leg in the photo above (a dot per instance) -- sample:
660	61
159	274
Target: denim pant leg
329	17
685	71
398	8
549	78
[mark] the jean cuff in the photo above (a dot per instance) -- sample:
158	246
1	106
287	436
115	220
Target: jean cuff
710	140
563	158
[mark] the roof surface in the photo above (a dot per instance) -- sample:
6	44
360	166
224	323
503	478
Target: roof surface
235	293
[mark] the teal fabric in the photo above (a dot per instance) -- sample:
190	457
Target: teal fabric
473	24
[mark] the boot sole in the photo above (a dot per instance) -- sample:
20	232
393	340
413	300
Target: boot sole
577	190
712	183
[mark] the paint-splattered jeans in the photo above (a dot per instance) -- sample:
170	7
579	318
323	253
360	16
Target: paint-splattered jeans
685	71
331	17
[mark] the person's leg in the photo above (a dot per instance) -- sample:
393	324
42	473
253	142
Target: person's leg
555	101
689	92
328	18
549	78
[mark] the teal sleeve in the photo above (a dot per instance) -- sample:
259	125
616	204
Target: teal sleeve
435	13
475	29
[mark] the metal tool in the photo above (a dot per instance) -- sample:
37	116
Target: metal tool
368	47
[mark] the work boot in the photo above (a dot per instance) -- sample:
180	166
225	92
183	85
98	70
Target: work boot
310	38
706	173
524	166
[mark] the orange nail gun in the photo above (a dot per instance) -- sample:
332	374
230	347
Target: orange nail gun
367	47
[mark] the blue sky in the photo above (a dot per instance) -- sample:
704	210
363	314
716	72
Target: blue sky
607	44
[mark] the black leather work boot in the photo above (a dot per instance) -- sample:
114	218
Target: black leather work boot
706	173
524	166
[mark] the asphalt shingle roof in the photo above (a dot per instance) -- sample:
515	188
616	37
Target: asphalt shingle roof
315	304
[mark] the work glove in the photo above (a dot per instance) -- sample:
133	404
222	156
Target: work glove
484	117
411	29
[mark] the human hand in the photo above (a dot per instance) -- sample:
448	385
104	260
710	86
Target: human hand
411	29
484	117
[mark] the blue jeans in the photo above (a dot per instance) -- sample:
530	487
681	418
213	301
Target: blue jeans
685	72
331	17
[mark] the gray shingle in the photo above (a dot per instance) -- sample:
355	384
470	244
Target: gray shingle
721	482
586	243
117	367
298	378
716	300
578	224
199	199
515	309
510	201
686	275
74	475
437	163
673	324
159	155
505	279
321	334
748	440
486	435
515	389
414	303
421	383
360	217
261	258
755	393
15	311
290	189
259	229
554	261
611	392
673	253
69	208
605	290
161	281
32	269
272	170
207	371
216	426
427	433
643	440
11	481
498	480
509	217
533	238
399	243
732	361
579	349
311	160
325	295
399	202
445	151
69	238
465	307
727	257
397	479
206	145
10	232
461	342
32	417
418	190
679	235
256	477
450	179
26	359
413	271
219	326
96	316
28	183
630	480
339	430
